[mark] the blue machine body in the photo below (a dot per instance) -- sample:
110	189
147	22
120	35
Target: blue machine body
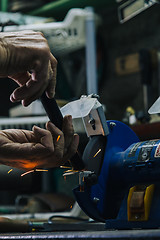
126	162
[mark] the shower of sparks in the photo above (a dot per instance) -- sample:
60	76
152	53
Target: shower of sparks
10	170
97	152
58	138
23	174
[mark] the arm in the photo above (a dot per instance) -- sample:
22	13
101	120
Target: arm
25	57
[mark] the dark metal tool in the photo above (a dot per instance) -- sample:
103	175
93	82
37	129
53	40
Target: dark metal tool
56	117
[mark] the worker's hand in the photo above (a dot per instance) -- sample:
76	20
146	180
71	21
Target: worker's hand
40	148
25	57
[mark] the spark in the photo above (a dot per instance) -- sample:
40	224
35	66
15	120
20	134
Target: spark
10	170
70	170
64	167
27	173
34	170
69	173
58	138
41	170
97	152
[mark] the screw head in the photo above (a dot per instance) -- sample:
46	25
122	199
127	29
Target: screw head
112	125
95	200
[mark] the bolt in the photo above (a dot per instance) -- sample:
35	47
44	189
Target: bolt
112	125
95	96
92	122
95	200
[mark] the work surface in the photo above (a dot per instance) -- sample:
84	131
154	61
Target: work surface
122	234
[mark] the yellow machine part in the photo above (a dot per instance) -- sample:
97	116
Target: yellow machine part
139	202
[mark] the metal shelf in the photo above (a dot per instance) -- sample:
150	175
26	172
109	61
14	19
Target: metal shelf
59	9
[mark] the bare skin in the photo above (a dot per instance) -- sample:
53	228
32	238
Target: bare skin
23	53
26	59
40	148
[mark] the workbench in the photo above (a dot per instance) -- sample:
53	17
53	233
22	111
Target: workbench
123	234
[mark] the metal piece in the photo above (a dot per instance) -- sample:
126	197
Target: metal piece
155	108
95	123
82	176
56	117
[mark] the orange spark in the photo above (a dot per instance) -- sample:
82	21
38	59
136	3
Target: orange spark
27	173
41	170
97	152
58	138
64	167
69	172
10	170
64	178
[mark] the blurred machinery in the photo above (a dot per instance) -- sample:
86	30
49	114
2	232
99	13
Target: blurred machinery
63	37
120	182
76	32
130	8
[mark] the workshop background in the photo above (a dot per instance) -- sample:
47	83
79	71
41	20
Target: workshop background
121	68
117	90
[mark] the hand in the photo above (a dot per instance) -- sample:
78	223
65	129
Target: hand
26	58
40	148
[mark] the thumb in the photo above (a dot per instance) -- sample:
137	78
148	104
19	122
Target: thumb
44	137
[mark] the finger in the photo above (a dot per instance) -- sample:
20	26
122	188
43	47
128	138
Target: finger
72	149
58	139
26	94
21	78
52	78
68	130
44	137
38	84
33	88
18	136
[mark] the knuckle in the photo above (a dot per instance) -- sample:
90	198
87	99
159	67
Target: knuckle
40	33
55	61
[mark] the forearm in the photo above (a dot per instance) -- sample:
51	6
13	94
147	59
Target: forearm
3	57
